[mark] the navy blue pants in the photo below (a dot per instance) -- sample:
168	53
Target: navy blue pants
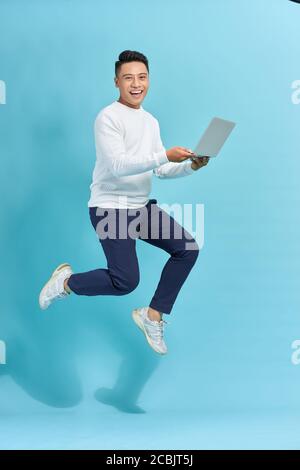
154	226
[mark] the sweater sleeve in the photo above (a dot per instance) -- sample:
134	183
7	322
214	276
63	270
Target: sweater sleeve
171	169
110	145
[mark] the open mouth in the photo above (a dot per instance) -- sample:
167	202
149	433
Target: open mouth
136	93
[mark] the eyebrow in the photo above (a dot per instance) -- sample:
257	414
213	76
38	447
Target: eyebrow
141	73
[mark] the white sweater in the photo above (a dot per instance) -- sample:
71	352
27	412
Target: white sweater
128	151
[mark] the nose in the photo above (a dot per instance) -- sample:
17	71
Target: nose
136	82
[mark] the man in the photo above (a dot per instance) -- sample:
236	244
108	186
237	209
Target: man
128	151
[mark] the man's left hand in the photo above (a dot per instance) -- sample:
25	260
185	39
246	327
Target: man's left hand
199	162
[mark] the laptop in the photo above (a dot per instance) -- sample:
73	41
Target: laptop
213	138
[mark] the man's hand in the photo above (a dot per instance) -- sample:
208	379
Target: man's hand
179	154
199	162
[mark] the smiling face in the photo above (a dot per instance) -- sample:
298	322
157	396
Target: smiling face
133	83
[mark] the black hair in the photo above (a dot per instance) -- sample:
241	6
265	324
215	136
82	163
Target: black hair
130	56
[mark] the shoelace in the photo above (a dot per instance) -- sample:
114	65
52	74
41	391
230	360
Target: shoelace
61	295
157	329
54	294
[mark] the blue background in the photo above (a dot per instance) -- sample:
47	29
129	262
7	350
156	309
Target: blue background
228	380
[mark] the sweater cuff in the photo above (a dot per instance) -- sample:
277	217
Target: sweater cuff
188	169
161	157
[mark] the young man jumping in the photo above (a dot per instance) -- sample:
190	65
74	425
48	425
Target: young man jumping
128	152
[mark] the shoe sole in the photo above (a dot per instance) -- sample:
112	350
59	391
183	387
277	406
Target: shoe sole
55	272
140	324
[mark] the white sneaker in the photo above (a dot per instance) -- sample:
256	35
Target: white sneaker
54	288
152	329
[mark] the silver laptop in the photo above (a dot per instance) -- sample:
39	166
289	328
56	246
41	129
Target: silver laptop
214	138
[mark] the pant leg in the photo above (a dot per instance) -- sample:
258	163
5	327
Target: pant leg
122	273
163	231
